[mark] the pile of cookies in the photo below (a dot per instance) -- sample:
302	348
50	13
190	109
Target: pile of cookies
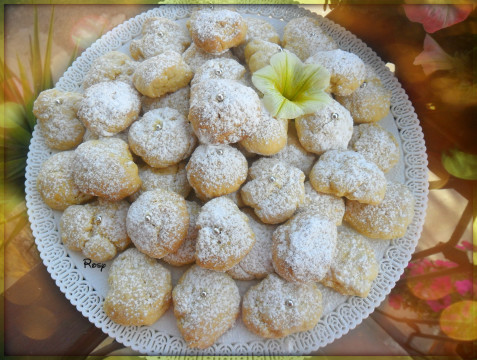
170	154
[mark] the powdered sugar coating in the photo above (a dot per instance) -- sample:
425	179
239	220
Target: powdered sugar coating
55	182
162	137
97	229
387	220
274	190
215	31
326	205
221	68
216	170
223	111
195	57
376	144
111	66
276	308
105	168
224	237
161	74
303	36
346	69
178	100
139	289
206	305
347	173
354	266
157	222
109	107
56	113
303	248
159	35
186	252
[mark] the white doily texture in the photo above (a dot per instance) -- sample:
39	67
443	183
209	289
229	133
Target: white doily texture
86	290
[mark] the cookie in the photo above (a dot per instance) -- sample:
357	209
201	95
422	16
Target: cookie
196	57
111	66
221	68
258	53
178	100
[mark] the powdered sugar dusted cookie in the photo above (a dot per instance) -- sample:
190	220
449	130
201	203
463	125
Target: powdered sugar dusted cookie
303	248
178	100
256	29
274	190
56	113
326	205
159	35
225	235
111	66
347	71
139	289
97	229
331	127
276	308
304	36
162	74
376	144
294	154
55	182
354	266
195	57
105	168
206	305
216	170
387	220
162	137
221	68
109	107
157	222
186	252
223	111
215	31
258	53
349	174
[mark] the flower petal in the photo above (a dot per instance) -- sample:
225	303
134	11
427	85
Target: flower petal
436	17
433	58
265	79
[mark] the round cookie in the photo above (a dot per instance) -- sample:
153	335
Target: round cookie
97	229
304	36
111	66
186	252
303	248
275	308
223	111
294	154
158	222
140	289
195	57
325	205
331	127
162	74
206	305
215	31
270	136
347	173
221	68
354	266
55	182
109	107
224	237
159	35
347	70
105	168
387	220
376	144
216	170
162	137
56	113
178	100
274	190
258	53
370	102
256	29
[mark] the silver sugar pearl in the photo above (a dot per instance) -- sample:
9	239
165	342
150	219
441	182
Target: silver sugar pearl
203	294
363	85
58	101
158	126
272	179
312	34
289	303
334	116
98	219
220	151
217	231
218	72
220	98
148	218
160	33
